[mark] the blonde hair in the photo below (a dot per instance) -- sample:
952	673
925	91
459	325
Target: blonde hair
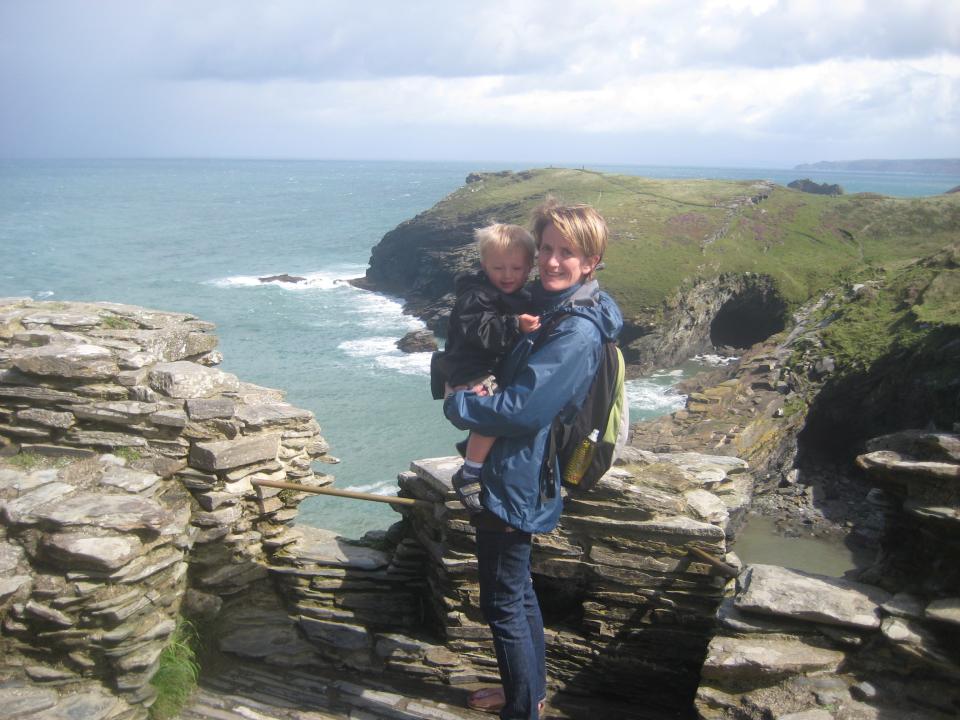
500	236
581	225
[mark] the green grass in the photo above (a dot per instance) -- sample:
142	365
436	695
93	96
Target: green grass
176	678
905	307
115	322
128	454
26	461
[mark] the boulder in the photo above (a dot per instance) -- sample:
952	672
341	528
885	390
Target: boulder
417	341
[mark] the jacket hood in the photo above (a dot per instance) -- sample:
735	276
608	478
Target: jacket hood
588	301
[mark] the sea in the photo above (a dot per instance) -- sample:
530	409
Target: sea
196	236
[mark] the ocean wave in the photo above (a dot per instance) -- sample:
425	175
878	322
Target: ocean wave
369	347
45	294
678	373
406	363
384	488
650	396
383	353
381	313
320	280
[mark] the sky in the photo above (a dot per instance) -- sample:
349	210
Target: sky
746	83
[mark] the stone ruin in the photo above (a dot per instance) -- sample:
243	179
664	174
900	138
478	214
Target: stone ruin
152	511
797	646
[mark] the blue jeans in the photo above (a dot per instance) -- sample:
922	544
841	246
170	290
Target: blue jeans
510	606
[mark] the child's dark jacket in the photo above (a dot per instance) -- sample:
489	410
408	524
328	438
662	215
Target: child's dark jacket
483	327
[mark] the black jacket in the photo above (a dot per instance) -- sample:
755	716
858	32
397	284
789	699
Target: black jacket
483	328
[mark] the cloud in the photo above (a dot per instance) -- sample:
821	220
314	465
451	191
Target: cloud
241	77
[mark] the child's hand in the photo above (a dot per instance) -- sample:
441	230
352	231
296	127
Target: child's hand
528	323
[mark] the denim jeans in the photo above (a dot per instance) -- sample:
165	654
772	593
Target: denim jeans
510	606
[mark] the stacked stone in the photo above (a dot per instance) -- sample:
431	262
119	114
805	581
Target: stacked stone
361	606
92	570
100	376
885	646
628	611
81	378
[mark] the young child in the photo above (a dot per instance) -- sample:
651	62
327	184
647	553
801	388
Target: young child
488	317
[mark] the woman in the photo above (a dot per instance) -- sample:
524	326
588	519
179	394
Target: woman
542	378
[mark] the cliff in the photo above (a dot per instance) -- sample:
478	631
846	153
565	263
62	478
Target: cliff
694	264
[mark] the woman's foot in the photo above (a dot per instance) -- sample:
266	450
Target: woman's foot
490	700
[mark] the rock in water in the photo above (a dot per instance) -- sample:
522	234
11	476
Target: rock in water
282	278
418	341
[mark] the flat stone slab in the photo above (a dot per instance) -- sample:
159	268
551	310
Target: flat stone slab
325	547
111	512
707	506
23	702
48	418
79	361
98	552
259	633
226	454
122	412
272	414
891	463
184	379
437	472
340	635
945	610
88	705
9	585
20	511
752	658
773	590
61	319
133	481
10	556
209	408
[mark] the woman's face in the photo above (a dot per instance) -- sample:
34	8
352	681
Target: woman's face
562	265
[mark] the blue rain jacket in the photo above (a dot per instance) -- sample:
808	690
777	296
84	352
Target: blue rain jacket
537	386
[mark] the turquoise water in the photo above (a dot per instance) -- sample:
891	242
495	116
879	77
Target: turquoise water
195	236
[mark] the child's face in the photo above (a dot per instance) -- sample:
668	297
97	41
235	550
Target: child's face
507	269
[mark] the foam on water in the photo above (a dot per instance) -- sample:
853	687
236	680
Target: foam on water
407	363
715	360
317	280
648	397
386	489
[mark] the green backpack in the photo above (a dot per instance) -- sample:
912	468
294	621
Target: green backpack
604	417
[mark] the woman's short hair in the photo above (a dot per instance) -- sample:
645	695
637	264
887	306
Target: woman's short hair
501	236
581	225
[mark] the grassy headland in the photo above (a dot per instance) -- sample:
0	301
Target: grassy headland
666	234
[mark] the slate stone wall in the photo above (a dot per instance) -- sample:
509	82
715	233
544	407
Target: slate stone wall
143	498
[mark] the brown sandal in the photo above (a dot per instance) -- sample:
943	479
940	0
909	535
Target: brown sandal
490	700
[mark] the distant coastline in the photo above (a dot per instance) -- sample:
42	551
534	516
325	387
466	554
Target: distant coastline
945	166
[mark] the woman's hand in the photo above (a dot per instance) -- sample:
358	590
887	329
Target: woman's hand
480	389
528	323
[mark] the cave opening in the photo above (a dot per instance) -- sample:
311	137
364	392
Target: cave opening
748	318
